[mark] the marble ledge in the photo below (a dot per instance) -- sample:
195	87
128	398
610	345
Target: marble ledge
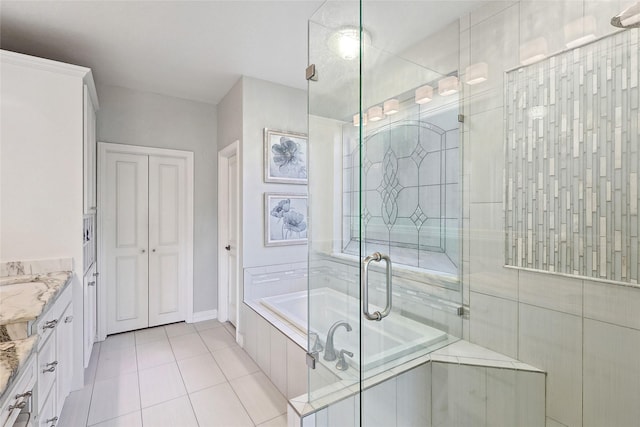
13	356
38	266
24	298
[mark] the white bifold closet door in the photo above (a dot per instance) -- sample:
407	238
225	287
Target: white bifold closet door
145	230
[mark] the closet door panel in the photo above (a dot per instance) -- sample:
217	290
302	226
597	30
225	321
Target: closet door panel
126	238
167	239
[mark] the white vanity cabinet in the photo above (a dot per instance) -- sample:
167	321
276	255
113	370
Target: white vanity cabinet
48	116
90	311
54	359
19	395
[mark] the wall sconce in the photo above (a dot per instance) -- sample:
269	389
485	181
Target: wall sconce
533	51
391	106
448	86
356	120
477	73
424	94
375	113
580	31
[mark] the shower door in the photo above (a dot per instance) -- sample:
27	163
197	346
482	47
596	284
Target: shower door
384	209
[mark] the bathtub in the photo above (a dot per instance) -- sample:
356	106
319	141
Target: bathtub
393	339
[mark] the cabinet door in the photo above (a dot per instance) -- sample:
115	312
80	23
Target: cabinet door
48	417
126	239
47	369
89	154
90	313
167	238
64	344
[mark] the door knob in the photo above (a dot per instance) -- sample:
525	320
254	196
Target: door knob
143	251
228	247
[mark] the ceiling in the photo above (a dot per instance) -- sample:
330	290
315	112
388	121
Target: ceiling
198	49
188	49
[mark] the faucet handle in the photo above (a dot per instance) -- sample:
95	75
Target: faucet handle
317	345
342	364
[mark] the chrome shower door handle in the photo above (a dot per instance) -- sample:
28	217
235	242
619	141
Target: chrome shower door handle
364	283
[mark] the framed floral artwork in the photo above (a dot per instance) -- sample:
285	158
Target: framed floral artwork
285	219
285	157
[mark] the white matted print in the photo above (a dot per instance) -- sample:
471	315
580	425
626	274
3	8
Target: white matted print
285	219
285	157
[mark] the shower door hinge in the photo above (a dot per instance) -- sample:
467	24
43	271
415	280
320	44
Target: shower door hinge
311	359
461	118
463	311
311	73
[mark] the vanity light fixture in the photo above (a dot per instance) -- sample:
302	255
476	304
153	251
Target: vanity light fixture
346	42
448	86
628	18
375	113
477	73
391	106
356	120
533	51
580	31
424	94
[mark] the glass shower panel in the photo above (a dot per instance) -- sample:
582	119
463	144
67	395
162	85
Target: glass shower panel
488	152
334	292
410	186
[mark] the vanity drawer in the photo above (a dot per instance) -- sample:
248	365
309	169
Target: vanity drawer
21	391
47	366
47	416
49	320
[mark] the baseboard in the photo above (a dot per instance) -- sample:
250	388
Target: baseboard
201	316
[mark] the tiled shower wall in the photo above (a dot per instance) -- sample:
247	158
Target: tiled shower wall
584	333
572	162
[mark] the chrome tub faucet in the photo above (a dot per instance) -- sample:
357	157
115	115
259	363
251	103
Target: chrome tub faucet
329	349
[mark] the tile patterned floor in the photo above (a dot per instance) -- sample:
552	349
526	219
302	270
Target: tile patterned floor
178	375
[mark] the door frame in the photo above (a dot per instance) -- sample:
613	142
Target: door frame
223	233
109	147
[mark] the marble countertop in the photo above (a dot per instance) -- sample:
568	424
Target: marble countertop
13	356
22	299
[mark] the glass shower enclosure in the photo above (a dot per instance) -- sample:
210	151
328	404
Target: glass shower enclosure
384	197
474	171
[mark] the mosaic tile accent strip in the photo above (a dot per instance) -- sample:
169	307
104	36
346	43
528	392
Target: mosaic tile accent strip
572	156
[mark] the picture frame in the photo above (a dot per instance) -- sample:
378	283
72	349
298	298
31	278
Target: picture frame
286	219
285	157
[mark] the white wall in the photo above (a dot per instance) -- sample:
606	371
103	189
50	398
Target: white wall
272	106
325	182
132	117
230	116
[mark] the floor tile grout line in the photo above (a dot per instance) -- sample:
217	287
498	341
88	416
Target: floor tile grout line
115	418
242	404
229	382
277	416
193	409
175	360
138	377
93	383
